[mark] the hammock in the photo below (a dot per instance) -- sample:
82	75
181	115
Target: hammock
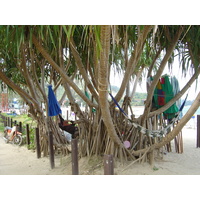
118	105
153	133
65	126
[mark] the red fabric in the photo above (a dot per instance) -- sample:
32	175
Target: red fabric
162	80
161	98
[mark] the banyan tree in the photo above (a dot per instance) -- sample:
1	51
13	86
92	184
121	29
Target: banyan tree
34	56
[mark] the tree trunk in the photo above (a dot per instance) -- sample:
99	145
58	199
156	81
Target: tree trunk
62	72
177	96
103	84
38	115
170	136
82	70
159	73
133	60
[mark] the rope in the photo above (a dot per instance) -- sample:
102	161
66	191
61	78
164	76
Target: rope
152	133
101	84
118	105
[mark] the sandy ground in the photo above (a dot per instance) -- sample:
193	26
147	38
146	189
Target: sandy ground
16	160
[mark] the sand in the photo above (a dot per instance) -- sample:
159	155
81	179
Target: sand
16	160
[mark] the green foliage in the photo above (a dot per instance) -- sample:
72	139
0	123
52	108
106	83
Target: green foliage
1	125
32	144
25	120
86	38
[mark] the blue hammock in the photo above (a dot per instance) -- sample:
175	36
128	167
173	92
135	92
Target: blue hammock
183	104
153	133
116	103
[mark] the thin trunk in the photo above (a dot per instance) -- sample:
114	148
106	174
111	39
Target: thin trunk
40	86
62	72
153	63
180	125
133	60
177	96
82	70
103	84
159	72
170	136
62	98
25	96
137	77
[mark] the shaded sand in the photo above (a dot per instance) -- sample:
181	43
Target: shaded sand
16	160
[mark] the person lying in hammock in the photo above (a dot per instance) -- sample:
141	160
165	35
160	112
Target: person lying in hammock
69	126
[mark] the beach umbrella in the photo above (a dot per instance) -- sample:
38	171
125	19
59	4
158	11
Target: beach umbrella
53	105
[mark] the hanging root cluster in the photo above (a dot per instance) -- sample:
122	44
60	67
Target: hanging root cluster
94	139
59	142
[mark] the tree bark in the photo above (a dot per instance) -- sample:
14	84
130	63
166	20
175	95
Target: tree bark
181	124
133	60
103	84
82	70
61	72
170	136
177	96
159	73
26	97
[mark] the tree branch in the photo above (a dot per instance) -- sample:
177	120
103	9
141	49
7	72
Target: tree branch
61	72
133	60
177	96
82	70
160	71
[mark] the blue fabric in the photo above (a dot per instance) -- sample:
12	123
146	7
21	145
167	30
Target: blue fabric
117	104
53	105
183	104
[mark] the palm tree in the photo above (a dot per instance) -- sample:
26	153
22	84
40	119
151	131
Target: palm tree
92	52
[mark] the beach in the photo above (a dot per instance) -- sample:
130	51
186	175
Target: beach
142	179
16	160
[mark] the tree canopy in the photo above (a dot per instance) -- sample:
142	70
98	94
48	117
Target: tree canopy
62	55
